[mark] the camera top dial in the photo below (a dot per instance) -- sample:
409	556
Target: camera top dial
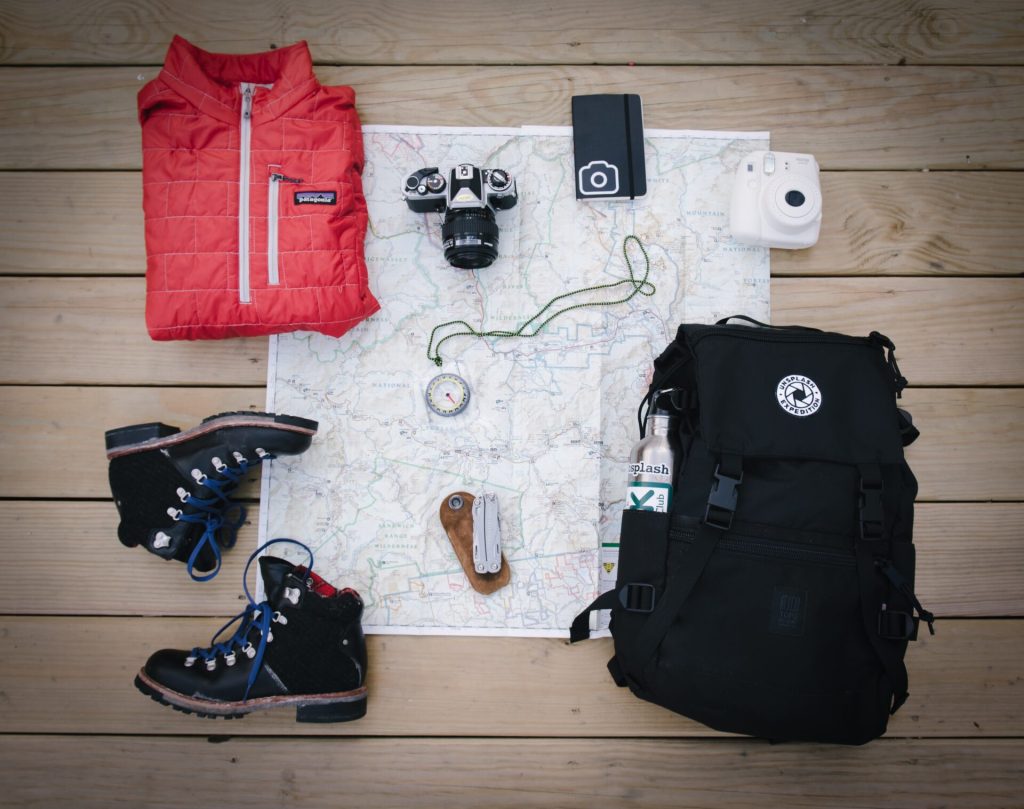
435	183
498	179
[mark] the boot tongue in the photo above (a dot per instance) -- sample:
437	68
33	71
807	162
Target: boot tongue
276	576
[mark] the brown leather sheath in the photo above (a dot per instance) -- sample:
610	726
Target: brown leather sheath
458	524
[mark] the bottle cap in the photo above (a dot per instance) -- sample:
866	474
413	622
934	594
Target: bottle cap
667	402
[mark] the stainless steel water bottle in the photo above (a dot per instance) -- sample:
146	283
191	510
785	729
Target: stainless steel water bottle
652	460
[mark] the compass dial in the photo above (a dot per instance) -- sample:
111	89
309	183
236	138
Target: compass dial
447	394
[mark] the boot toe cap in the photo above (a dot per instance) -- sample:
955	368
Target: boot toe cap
167	667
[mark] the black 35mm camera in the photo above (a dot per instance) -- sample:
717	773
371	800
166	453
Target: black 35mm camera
469	199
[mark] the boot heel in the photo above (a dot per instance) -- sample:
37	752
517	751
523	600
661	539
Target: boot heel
137	433
332	711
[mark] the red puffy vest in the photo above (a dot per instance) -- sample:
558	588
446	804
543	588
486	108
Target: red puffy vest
252	192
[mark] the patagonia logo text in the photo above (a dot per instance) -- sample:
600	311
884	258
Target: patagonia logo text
316	197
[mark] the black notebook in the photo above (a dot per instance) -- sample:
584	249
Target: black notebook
608	143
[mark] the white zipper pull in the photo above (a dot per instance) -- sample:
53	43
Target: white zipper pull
282	179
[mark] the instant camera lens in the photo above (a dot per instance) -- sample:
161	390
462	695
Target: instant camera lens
470	237
795	198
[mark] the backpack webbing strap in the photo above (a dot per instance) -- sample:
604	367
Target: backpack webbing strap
686	565
870	543
580	629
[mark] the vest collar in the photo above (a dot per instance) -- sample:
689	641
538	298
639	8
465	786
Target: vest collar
211	81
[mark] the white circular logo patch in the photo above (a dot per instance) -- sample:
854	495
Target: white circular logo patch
798	395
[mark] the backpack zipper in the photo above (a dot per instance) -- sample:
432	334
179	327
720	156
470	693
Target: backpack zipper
244	170
777	550
273	207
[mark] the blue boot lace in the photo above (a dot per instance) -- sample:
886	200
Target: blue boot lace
212	512
255	616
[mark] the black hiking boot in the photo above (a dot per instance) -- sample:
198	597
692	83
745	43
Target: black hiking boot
302	647
171	487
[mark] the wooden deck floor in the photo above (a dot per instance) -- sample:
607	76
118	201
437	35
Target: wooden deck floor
915	110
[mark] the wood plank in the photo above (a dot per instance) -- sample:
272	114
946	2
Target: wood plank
100	215
93	331
929	223
58	431
970	562
948	331
849	117
590	774
951	421
876	223
965	682
666	774
573	32
971	445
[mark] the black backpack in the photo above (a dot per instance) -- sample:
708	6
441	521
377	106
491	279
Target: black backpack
776	597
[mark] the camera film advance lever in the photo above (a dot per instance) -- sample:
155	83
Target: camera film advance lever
467	519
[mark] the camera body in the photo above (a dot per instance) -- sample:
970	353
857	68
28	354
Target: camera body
469	198
776	200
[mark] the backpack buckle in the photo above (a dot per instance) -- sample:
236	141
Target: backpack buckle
896	625
637	597
722	500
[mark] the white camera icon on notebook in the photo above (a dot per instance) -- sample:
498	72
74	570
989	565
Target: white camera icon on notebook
776	200
599	177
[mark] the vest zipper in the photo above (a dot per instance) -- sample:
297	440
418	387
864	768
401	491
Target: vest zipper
244	170
273	207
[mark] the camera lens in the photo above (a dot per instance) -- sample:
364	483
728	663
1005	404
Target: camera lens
470	237
795	198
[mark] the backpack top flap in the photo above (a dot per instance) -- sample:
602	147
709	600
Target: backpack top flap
774	393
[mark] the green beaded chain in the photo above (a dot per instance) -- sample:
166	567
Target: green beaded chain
642	286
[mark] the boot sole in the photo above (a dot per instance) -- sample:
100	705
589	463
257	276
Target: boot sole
155	435
343	706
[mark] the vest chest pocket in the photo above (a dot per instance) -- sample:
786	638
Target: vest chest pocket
301	218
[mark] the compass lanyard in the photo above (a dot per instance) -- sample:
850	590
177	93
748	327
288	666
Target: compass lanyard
641	286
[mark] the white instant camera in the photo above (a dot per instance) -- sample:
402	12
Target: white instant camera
776	200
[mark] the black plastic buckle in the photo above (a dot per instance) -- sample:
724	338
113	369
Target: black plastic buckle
722	500
871	514
637	597
897	625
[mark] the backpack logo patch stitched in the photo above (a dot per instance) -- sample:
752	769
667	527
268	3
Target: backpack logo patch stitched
788	609
798	395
